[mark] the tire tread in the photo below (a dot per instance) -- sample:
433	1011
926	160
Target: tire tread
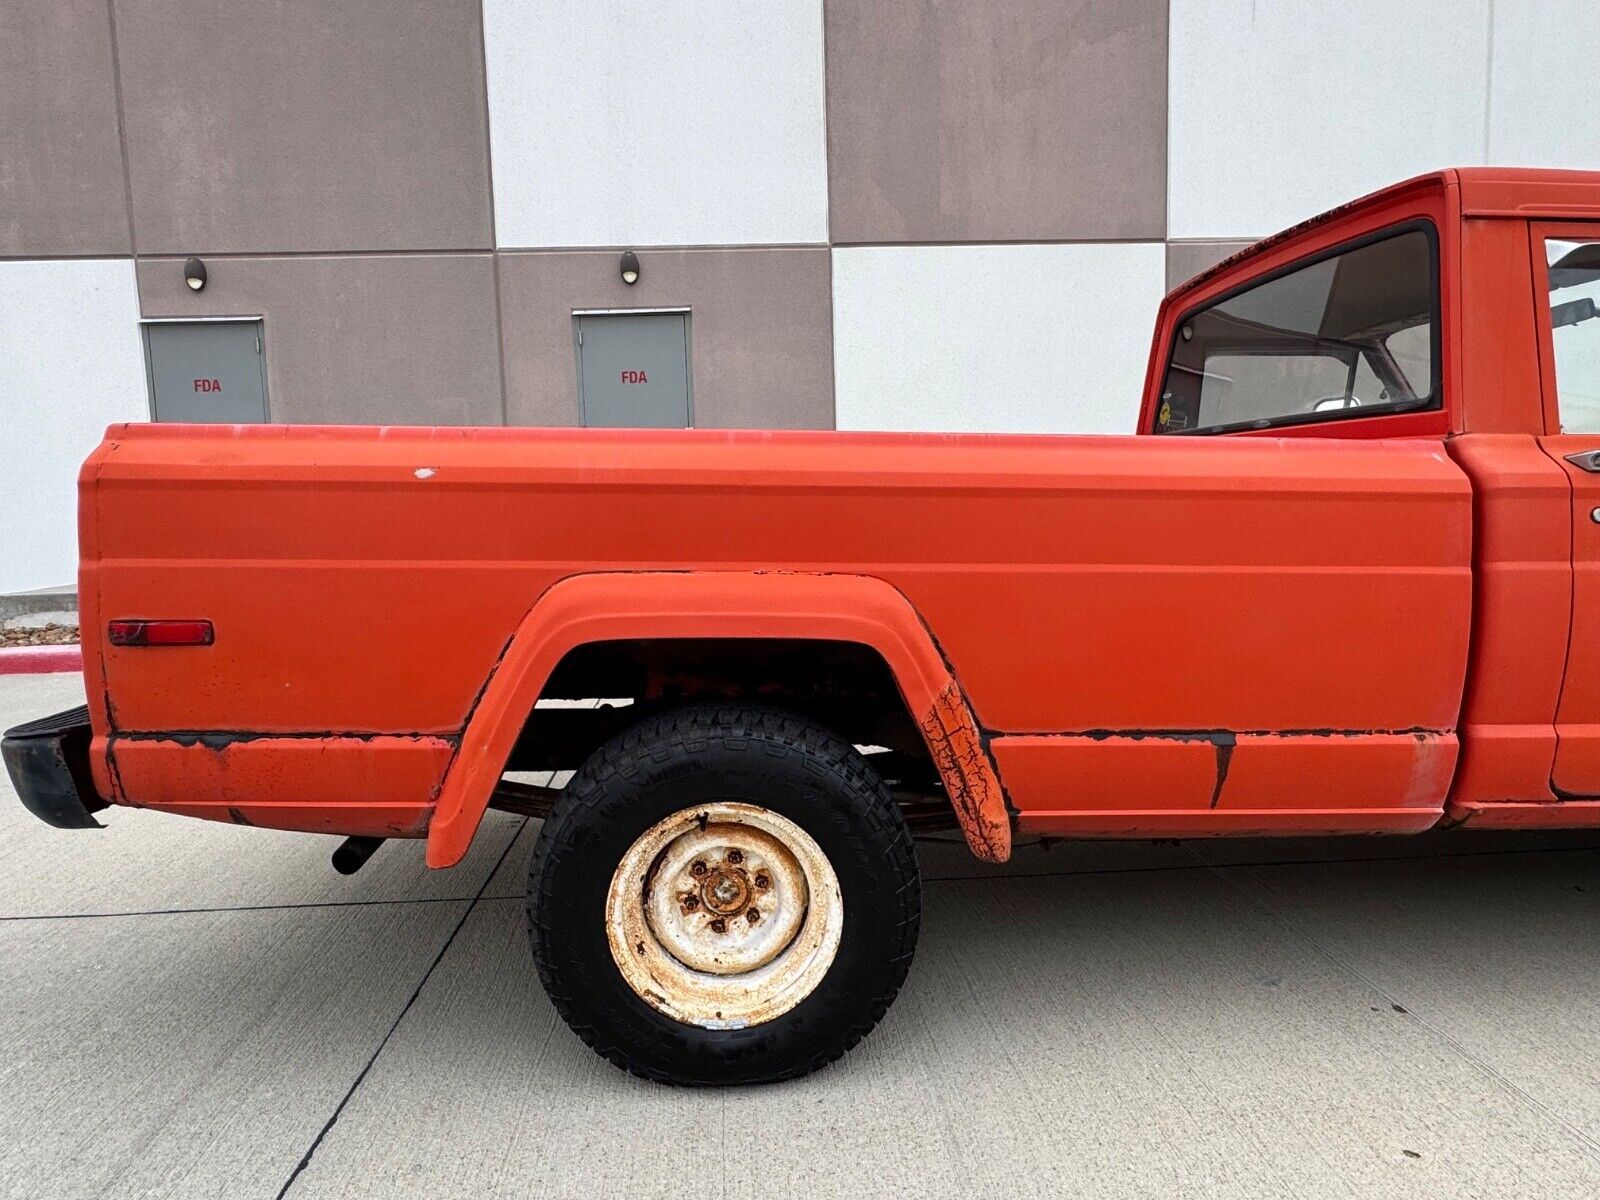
880	828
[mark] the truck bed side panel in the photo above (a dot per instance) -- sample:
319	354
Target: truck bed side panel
364	582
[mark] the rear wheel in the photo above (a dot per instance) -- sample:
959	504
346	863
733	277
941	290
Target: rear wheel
723	894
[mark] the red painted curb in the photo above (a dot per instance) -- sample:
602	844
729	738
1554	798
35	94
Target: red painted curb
40	660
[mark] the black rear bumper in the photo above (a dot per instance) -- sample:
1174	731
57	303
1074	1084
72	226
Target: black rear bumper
48	761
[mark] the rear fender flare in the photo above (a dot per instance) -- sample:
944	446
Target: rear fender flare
602	607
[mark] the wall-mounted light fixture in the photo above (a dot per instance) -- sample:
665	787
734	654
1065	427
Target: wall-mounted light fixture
194	274
630	268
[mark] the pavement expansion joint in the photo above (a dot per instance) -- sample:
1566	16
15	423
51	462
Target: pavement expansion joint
333	1118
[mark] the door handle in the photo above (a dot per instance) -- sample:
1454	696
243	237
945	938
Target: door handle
1588	460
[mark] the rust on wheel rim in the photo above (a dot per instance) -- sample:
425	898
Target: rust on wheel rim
724	915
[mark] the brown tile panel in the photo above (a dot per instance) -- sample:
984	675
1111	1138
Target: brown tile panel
255	127
1185	260
61	186
760	330
968	120
370	339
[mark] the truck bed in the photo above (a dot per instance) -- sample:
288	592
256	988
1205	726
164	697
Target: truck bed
1117	609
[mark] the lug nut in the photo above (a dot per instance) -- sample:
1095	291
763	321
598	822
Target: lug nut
736	857
763	882
719	926
753	916
691	901
699	868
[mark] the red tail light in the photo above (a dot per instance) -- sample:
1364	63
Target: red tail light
161	633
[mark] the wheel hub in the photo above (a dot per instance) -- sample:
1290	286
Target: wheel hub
724	915
725	892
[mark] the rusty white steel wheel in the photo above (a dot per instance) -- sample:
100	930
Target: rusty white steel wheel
724	915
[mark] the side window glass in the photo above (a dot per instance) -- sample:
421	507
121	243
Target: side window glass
1574	295
1239	388
1412	351
1353	333
1369	390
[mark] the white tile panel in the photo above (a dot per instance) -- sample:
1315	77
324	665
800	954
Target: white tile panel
1277	111
70	364
997	338
1543	107
682	122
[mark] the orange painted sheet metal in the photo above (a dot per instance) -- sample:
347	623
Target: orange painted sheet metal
610	607
370	579
1576	769
1494	348
1522	616
1570	814
1190	823
1528	192
1107	774
1578	756
1504	762
1397	773
1196	783
380	786
1073	582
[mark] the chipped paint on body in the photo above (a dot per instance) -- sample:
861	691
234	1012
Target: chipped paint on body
379	785
1217	783
968	775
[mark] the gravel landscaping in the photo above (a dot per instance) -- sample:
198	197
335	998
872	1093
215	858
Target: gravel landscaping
44	635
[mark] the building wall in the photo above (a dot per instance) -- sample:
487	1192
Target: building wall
907	214
70	364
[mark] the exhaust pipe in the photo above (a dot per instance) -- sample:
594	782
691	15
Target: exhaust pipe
353	853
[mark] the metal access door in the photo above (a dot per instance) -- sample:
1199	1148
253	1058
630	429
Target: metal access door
206	371
633	369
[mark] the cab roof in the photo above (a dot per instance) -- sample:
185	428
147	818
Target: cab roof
1525	192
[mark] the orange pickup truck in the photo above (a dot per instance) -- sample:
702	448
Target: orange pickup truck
1370	603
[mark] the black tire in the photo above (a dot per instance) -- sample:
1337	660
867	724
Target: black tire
697	755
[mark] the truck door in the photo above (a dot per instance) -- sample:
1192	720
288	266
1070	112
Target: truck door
1566	270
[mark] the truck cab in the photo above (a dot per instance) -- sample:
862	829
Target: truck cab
1460	307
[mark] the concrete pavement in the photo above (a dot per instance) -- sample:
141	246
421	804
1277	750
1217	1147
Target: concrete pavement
199	1010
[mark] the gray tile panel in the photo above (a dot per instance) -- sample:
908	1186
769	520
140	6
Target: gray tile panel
962	121
61	181
360	339
760	329
257	127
